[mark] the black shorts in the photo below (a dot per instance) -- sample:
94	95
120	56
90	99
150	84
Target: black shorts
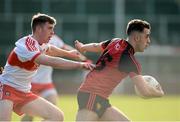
93	102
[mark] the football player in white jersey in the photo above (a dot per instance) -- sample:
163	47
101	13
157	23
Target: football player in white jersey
22	63
42	83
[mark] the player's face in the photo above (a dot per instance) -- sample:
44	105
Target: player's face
144	40
47	30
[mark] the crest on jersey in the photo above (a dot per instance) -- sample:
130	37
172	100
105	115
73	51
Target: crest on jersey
7	93
98	106
117	46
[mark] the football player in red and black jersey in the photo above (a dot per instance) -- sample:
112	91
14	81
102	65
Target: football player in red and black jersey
117	61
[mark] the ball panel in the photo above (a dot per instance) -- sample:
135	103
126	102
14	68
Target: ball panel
151	80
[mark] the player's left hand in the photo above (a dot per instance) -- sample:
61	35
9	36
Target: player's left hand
82	57
77	55
88	66
79	46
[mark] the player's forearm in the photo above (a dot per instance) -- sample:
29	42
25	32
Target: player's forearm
65	64
66	54
92	47
68	47
57	62
54	51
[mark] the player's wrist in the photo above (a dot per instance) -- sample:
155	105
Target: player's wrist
81	65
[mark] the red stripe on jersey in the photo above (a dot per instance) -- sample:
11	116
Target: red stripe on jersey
91	101
28	65
30	44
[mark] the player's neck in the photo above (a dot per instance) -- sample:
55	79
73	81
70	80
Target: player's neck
131	42
37	38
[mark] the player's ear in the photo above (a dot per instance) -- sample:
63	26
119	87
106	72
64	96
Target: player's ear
137	36
38	28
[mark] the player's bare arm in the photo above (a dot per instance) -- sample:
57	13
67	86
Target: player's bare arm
61	63
91	47
81	56
145	89
55	51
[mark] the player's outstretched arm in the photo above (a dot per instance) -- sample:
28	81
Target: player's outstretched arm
146	90
55	51
61	63
91	47
81	57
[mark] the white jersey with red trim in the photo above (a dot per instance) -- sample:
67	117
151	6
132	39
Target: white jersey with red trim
20	66
44	73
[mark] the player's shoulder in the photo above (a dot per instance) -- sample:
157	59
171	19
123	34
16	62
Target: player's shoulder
112	42
109	41
25	40
118	43
27	43
116	39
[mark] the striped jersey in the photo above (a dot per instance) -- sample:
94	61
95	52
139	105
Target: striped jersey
20	66
115	63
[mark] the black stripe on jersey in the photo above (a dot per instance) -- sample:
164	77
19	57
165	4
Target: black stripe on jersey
105	43
101	63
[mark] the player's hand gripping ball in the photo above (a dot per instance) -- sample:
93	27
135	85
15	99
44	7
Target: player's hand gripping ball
151	81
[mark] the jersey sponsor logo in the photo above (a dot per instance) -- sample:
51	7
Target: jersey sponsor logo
30	44
117	46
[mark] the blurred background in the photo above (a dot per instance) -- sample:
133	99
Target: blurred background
98	20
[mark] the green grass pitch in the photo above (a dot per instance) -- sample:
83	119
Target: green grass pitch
137	109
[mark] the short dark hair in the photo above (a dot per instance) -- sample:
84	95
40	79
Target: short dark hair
137	25
39	19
